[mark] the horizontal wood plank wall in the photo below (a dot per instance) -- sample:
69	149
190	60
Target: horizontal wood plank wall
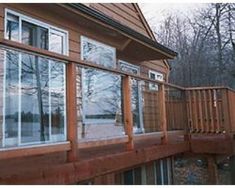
75	31
49	18
123	14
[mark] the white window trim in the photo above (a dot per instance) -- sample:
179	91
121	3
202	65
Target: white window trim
156	73
38	23
153	86
53	138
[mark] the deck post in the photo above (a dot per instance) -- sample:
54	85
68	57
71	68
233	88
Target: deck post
71	112
162	110
212	170
128	120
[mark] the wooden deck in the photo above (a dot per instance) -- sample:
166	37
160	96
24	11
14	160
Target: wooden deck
203	118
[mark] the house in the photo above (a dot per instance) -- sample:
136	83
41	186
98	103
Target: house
85	99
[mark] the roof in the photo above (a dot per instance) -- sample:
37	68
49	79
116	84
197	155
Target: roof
169	54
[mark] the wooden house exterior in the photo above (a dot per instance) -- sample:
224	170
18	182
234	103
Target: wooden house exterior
85	99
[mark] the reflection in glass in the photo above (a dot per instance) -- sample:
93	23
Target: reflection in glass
33	106
101	104
11	98
57	91
98	53
34	35
102	95
56	43
12	28
34	99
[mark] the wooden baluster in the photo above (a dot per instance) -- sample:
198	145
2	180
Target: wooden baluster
206	120
195	115
200	110
215	104
190	113
72	155
211	111
163	113
128	120
226	110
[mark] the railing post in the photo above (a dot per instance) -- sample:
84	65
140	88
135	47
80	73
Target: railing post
226	110
128	120
162	102
71	112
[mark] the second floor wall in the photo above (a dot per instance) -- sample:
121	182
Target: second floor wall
76	26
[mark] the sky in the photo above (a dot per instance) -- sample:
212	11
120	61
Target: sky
156	12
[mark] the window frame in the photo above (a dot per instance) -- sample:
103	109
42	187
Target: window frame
31	20
53	138
121	63
87	39
95	42
152	86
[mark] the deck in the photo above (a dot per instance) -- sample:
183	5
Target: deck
175	120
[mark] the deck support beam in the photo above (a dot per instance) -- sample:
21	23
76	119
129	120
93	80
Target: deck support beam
72	112
128	120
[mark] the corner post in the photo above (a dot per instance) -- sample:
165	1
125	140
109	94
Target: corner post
71	112
128	120
162	101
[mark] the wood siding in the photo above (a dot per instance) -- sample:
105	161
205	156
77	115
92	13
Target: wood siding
125	13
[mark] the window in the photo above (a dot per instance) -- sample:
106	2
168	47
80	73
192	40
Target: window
136	96
101	93
98	53
32	99
32	32
155	76
133	177
163	171
34	35
12	27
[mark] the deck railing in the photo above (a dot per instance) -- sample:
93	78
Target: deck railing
210	109
166	107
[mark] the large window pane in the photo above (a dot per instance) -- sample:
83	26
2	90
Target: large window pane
34	90
33	102
11	98
12	30
57	91
102	114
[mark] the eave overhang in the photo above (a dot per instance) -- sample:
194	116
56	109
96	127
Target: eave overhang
140	46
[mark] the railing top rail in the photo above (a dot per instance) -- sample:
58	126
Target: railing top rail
205	88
